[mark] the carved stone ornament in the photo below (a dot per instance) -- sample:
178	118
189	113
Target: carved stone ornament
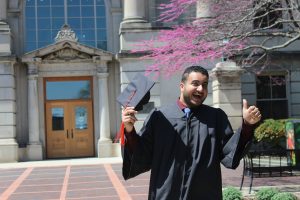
32	70
67	54
66	33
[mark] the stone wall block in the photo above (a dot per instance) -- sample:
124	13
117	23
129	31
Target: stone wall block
7	81
7	119
7	106
295	98
6	68
295	76
295	87
225	96
7	94
8	150
7	131
295	110
231	83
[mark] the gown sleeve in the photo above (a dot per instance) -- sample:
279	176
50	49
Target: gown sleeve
137	154
233	145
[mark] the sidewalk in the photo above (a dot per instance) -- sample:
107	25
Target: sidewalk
95	178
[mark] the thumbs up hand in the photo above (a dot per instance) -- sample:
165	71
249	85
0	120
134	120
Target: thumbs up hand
251	115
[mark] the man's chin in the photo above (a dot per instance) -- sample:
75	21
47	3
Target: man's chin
196	104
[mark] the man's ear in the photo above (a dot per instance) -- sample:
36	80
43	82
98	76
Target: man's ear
181	85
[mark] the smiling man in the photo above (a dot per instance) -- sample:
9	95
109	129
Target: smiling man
184	143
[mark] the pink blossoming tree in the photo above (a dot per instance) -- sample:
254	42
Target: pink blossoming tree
245	31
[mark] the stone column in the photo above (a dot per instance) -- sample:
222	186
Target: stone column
8	144
3	10
134	23
34	148
105	146
103	108
134	11
226	88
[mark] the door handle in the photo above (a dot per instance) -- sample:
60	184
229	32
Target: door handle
72	133
67	133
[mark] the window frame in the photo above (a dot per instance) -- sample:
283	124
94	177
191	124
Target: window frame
271	99
53	29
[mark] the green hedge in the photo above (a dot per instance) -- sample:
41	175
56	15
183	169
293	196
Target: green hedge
270	130
284	196
232	193
266	193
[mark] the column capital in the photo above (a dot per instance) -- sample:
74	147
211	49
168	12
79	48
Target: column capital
102	75
32	76
33	65
227	68
32	70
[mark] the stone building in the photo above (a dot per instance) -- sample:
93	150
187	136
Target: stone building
64	62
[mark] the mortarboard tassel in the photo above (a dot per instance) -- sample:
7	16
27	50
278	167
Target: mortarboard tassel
121	135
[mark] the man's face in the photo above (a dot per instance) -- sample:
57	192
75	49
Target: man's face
194	91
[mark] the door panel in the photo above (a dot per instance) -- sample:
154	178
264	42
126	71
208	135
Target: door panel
57	130
81	129
69	129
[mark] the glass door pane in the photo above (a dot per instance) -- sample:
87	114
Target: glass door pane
57	119
81	117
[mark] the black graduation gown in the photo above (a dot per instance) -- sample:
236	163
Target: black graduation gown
184	155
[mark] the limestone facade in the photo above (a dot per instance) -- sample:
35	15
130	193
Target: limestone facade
22	75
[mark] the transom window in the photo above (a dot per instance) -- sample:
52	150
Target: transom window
271	96
68	89
44	18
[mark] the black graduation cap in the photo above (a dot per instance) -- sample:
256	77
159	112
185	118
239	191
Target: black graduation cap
137	92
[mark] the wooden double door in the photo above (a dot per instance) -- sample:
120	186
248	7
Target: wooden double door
69	129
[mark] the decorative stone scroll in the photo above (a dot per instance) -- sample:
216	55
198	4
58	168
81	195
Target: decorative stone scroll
66	33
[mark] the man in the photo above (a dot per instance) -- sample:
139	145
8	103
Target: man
184	143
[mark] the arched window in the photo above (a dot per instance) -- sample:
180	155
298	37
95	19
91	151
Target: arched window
44	18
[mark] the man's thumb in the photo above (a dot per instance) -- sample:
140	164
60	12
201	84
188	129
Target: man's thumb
245	104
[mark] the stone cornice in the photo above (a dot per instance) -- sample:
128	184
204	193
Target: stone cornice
226	69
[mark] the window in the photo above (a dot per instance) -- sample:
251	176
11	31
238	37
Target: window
271	96
267	15
44	18
154	14
66	90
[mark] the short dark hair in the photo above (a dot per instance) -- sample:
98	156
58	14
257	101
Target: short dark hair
195	68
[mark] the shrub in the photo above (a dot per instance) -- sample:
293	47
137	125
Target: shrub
284	196
232	193
266	193
270	130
